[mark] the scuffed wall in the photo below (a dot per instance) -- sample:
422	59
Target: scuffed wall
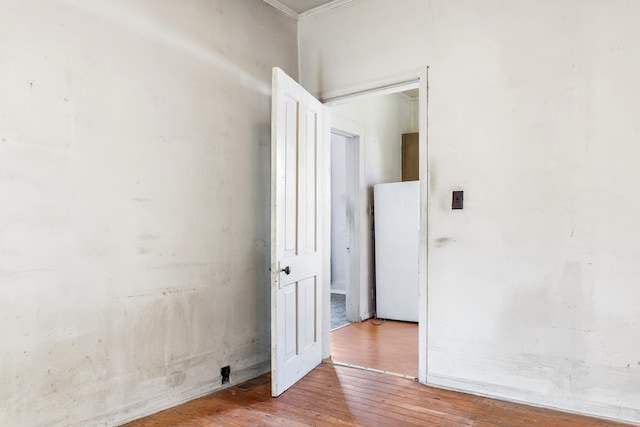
134	202
533	111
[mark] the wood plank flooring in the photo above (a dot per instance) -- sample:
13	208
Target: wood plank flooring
391	346
338	396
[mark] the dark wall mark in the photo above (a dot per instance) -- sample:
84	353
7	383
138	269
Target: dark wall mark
440	242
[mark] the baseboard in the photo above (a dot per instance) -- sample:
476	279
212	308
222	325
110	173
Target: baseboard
369	315
338	291
515	395
166	401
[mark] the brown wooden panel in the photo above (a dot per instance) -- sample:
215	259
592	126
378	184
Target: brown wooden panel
410	157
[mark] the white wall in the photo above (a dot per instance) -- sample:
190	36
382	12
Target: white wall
134	194
339	240
533	112
383	119
415	114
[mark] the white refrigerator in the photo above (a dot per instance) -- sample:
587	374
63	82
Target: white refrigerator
397	220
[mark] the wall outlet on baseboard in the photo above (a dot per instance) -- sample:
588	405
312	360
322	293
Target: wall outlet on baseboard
225	373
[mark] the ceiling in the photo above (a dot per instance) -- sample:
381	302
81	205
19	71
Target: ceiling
301	6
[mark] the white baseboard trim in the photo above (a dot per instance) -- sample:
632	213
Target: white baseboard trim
338	292
514	395
369	315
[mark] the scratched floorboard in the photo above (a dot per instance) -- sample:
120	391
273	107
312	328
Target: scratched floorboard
339	396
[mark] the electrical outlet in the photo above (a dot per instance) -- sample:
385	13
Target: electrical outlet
225	372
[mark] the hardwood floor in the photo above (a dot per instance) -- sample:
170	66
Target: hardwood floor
339	396
391	346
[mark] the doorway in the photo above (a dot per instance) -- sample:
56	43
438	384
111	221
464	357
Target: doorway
368	153
344	210
300	260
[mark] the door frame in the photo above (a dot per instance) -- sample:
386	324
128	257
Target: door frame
412	79
357	192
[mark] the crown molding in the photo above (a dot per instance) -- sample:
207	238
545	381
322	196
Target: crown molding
323	9
309	13
282	8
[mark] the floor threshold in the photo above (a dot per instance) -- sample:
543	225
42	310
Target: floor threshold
365	368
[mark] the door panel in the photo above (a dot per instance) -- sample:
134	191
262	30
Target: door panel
290	340
308	157
296	252
290	170
307	294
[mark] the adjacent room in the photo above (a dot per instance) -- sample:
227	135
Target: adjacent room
374	232
165	210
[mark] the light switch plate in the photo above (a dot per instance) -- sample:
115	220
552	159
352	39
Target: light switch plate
457	200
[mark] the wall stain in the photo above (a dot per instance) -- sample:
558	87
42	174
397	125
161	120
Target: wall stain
165	292
174	379
260	244
442	241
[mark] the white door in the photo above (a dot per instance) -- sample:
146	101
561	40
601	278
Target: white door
296	232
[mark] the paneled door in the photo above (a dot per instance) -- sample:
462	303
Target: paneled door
296	234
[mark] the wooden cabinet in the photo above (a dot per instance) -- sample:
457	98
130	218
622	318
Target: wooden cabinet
410	157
